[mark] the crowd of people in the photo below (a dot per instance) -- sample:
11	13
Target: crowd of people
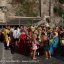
30	40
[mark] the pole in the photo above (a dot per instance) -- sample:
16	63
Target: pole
6	19
62	21
49	7
19	22
40	7
32	22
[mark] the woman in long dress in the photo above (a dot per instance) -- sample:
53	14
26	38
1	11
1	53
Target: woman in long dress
34	45
55	43
22	44
6	32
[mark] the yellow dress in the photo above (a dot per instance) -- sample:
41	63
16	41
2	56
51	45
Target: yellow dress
6	32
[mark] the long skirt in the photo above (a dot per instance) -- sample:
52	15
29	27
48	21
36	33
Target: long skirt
51	49
24	47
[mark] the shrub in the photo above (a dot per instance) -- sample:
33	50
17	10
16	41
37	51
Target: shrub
61	1
58	10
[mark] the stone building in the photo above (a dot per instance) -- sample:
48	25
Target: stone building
2	14
47	12
6	9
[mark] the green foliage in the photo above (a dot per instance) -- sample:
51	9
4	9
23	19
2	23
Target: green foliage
58	10
55	9
61	1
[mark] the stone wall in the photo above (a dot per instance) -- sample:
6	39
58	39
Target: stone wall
45	12
44	8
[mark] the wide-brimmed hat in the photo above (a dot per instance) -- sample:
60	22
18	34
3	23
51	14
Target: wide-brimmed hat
56	34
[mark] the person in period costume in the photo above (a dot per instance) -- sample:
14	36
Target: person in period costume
6	33
12	44
54	45
22	44
45	41
34	45
29	41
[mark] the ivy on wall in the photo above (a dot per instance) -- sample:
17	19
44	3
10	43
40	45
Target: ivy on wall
61	1
58	10
27	8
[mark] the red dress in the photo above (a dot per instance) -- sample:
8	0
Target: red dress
22	43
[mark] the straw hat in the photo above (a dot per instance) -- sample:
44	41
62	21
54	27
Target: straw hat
56	34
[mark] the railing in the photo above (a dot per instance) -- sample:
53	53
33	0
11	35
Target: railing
23	20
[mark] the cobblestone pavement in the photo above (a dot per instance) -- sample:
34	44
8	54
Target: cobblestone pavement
7	58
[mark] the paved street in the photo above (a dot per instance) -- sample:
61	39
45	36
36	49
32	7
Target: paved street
7	58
